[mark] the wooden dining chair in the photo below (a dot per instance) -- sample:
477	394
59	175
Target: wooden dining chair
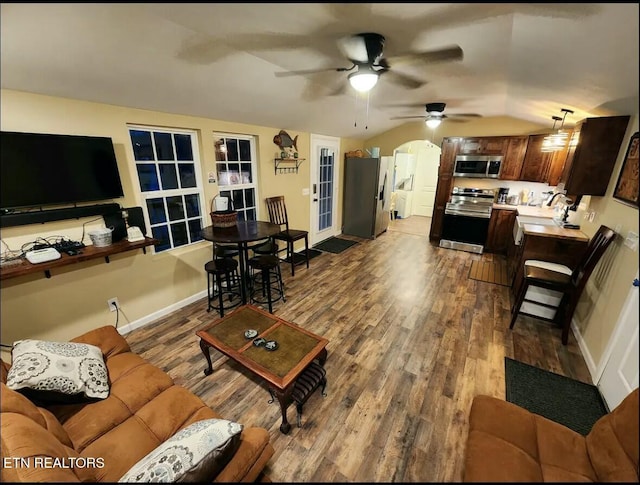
561	278
278	215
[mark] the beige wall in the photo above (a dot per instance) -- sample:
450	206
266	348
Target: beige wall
74	299
601	302
417	130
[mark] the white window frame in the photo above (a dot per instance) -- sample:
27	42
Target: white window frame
164	193
254	169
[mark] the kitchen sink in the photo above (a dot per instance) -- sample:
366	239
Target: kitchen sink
544	221
522	220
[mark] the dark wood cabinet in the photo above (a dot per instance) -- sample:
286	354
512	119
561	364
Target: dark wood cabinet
489	145
513	157
593	154
449	149
535	166
500	230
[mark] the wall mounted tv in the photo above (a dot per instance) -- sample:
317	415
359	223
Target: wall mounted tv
40	170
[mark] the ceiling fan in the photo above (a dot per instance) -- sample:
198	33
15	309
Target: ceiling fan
365	52
435	115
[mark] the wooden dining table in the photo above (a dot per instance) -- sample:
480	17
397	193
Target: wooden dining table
243	233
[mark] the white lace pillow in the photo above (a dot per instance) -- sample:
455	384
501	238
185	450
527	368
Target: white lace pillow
196	453
58	371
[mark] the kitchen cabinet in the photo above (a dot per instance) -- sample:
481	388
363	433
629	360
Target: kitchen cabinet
450	148
590	161
488	145
513	158
500	230
535	166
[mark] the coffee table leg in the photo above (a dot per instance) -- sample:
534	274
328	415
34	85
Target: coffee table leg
207	355
284	398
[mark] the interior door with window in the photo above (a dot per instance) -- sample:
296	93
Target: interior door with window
325	163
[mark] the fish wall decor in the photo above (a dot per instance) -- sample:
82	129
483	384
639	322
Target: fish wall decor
284	140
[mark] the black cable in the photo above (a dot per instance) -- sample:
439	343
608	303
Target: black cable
117	315
7	346
85	223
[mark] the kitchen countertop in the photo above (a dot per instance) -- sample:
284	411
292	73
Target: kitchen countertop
554	231
528	210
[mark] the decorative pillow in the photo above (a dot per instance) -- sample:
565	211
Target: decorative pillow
58	371
196	453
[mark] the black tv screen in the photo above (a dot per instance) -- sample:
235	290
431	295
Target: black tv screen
41	169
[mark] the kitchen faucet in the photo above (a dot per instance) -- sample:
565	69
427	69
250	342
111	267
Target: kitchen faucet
553	197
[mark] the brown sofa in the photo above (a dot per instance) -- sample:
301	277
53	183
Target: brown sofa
144	409
507	443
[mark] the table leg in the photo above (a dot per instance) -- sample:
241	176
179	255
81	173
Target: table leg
284	398
243	269
322	357
207	355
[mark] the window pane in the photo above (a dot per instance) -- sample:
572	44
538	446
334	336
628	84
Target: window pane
221	149
164	146
245	150
179	234
245	173
141	142
234	167
168	176
192	203
232	150
147	176
161	233
187	175
241	216
195	229
155	207
183	147
175	208
251	215
249	197
238	200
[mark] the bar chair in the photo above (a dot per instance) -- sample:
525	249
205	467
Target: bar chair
560	278
278	215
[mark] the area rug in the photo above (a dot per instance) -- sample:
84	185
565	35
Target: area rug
575	404
300	256
490	272
335	245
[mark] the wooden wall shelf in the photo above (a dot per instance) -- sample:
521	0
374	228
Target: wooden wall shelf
88	253
287	165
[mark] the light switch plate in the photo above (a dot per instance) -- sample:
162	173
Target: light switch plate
631	241
305	191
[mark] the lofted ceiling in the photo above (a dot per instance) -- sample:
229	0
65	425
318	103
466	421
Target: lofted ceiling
218	60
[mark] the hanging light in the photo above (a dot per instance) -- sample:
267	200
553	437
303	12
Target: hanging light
433	121
557	140
364	79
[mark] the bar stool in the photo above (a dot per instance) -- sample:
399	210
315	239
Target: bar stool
216	270
266	280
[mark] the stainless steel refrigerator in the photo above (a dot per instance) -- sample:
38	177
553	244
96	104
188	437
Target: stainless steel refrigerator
365	207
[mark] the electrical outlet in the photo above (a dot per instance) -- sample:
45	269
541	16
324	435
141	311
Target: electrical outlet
592	216
113	303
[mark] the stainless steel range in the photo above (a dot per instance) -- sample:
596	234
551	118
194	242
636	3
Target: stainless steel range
466	219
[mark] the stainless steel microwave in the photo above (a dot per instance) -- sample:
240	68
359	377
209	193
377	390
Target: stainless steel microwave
478	166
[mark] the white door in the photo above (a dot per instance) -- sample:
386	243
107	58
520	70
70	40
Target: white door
620	374
424	189
325	167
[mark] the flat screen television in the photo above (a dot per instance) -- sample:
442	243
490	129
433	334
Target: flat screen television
39	169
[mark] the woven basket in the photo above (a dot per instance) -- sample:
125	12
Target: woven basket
222	219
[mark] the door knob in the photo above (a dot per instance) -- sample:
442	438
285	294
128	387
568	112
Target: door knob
315	200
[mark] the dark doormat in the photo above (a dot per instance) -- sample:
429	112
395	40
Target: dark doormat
561	399
335	245
300	256
490	272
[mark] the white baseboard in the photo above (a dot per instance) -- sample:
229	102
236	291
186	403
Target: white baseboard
160	313
588	358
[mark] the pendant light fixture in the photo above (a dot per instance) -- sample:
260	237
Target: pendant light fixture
557	140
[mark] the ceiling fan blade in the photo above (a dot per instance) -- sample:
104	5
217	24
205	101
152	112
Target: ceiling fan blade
354	48
451	53
341	88
308	71
465	115
407	117
404	80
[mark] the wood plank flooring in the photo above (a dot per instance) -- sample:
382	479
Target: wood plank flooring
411	341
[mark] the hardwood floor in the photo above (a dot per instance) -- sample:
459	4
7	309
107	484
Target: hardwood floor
411	341
418	225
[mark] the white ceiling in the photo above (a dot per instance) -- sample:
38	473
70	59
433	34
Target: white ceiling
218	60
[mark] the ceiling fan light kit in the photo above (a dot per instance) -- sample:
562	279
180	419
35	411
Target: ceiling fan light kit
433	121
363	81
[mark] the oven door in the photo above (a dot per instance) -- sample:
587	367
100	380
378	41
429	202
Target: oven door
470	229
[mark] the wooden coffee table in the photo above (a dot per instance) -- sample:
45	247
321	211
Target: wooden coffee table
297	349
